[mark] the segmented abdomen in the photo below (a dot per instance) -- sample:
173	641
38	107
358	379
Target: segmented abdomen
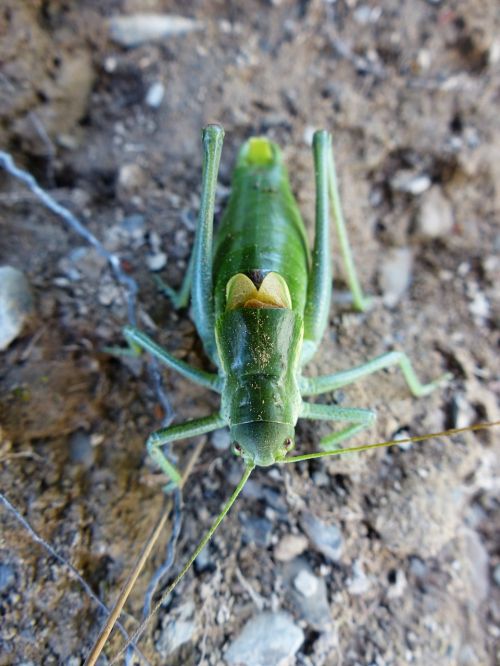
261	230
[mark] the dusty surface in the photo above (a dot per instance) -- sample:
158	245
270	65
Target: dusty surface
411	91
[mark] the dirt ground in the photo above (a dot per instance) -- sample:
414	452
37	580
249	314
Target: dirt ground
411	92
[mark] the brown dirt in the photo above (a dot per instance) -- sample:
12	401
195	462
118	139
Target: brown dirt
417	89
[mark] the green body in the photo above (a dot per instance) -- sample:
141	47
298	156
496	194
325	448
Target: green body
259	349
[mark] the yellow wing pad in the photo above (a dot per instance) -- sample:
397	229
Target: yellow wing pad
272	293
259	151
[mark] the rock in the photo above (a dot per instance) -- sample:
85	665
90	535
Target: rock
307	594
435	217
289	547
395	274
155	95
477	564
267	639
408	181
80	448
359	583
131	177
306	583
156	261
177	628
16	304
7	577
138	29
327	539
258	531
221	439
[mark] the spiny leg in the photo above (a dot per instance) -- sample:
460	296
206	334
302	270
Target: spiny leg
319	288
178	297
138	339
325	383
360	302
173	433
360	419
202	283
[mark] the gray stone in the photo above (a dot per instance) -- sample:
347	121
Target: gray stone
307	594
267	639
7	577
410	182
156	261
395	274
80	448
289	547
435	217
155	95
177	628
324	537
137	29
221	439
16	304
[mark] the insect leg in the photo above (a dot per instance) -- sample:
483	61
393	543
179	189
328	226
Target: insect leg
138	339
179	297
319	289
360	302
360	419
173	433
325	383
202	285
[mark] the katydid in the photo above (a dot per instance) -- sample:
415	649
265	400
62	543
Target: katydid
260	301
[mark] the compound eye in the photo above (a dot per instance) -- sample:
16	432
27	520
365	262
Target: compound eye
288	443
237	450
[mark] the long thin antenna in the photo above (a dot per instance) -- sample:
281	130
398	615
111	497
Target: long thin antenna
393	442
137	634
134	574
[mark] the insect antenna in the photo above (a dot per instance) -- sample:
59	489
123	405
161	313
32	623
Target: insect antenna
393	442
139	631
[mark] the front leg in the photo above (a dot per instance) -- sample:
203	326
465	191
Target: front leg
173	433
360	419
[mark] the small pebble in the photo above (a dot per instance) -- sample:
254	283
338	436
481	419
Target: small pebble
16	304
177	628
408	181
496	575
7	577
267	639
156	261
307	594
136	29
306	583
435	217
477	563
359	583
80	447
131	177
324	537
289	547
221	439
134	225
395	274
155	95
258	531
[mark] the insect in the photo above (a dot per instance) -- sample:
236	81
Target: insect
260	300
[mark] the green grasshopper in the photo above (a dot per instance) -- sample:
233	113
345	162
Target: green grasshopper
260	301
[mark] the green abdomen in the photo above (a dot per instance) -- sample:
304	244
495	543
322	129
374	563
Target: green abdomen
261	230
